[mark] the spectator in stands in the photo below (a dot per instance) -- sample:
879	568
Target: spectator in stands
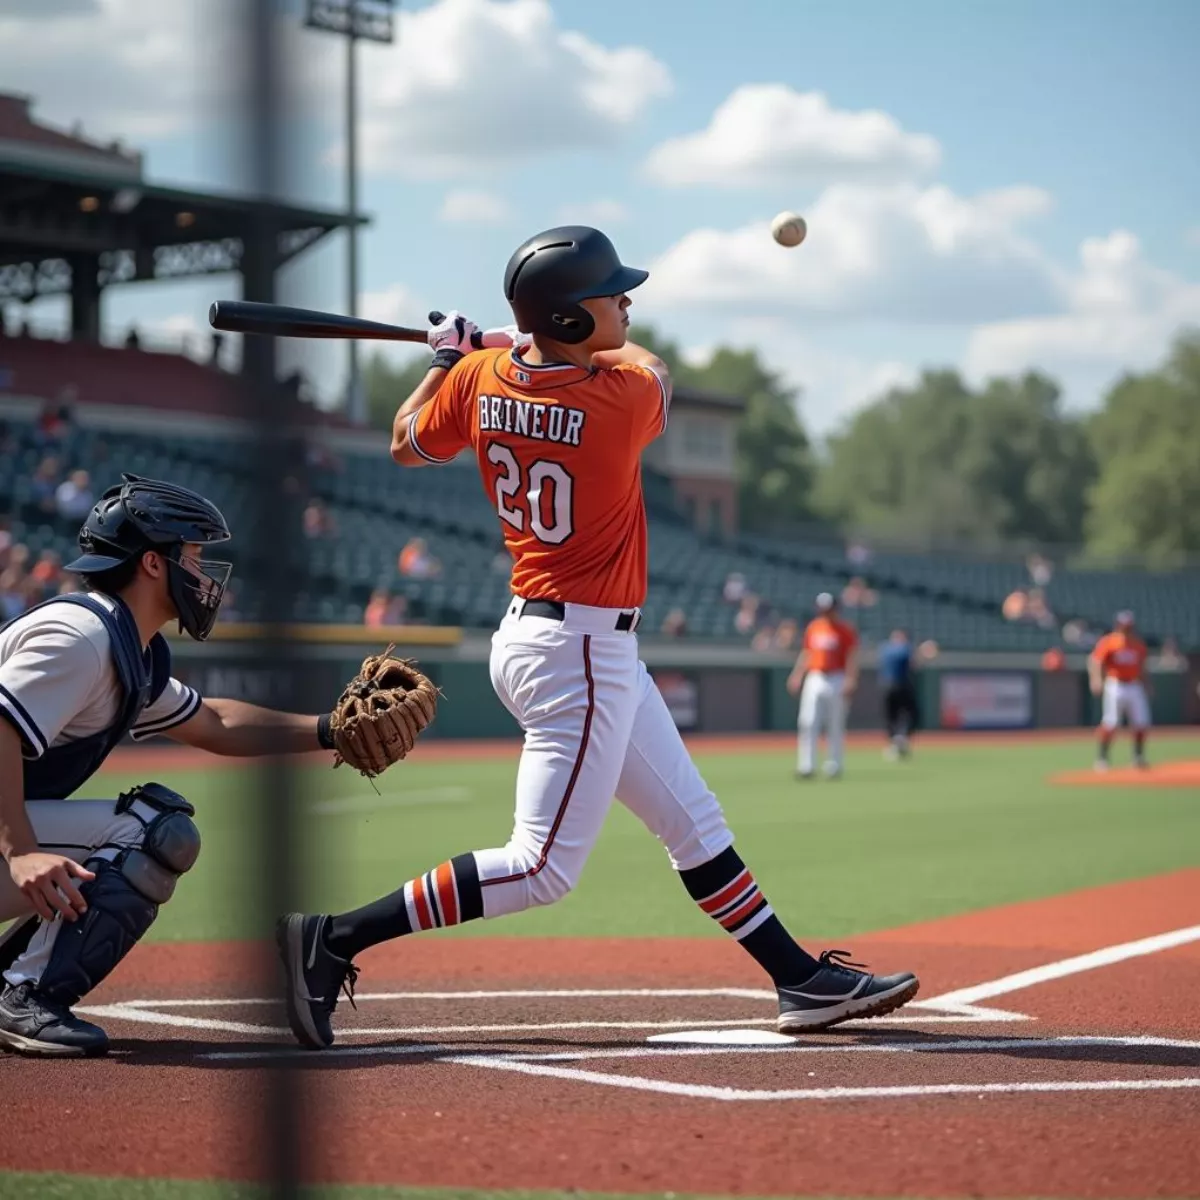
749	616
857	594
735	588
1040	569
6	541
47	572
416	562
12	593
214	356
675	623
928	650
1037	610
385	609
1054	659
1015	605
318	521
45	483
786	634
132	340
859	553
73	498
230	613
1077	633
55	420
8	443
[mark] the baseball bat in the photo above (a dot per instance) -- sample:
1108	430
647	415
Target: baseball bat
280	320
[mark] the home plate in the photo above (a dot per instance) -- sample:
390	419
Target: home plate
725	1037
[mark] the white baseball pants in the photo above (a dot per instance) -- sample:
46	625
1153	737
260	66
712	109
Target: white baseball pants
79	830
822	709
1119	699
595	724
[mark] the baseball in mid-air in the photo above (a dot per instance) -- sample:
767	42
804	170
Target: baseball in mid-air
789	229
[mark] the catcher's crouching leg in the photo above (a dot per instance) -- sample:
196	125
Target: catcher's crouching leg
124	898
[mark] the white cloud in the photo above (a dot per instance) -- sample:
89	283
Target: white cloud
126	68
901	252
465	206
395	304
597	213
765	134
1122	313
472	85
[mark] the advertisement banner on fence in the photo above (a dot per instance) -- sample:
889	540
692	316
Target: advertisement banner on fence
986	700
682	697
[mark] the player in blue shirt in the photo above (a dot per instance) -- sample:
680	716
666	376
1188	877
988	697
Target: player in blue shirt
899	695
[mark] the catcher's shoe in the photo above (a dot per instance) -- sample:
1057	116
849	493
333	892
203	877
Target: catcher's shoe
33	1024
839	991
313	978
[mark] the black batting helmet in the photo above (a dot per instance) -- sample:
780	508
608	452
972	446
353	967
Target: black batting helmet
552	272
140	514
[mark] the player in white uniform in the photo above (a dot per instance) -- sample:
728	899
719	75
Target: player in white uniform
558	428
82	880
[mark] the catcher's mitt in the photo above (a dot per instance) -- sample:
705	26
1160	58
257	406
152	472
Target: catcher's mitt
381	713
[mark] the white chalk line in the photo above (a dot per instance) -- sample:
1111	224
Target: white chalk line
1070	966
956	1045
708	1092
148	1016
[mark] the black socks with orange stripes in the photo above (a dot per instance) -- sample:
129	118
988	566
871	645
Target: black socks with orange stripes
725	889
448	895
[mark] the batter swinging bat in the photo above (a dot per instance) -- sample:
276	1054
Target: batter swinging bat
280	320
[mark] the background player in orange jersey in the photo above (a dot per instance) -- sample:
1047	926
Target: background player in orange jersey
1116	672
557	425
825	676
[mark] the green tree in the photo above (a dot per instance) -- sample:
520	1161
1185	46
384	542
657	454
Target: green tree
387	385
939	461
1146	501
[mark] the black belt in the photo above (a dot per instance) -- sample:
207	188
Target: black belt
557	611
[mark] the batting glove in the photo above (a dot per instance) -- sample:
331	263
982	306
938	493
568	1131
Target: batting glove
452	336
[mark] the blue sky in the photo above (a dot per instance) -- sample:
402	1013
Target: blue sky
1032	197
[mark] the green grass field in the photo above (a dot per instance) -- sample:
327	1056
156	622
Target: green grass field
958	828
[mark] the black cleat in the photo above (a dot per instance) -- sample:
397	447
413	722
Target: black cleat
314	978
33	1024
839	991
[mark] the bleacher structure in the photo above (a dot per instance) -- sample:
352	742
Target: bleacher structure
377	508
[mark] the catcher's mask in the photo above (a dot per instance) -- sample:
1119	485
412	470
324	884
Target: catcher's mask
149	514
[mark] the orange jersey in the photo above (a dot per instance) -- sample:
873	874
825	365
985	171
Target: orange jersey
829	642
1121	656
559	450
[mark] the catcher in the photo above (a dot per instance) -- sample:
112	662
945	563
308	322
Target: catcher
82	880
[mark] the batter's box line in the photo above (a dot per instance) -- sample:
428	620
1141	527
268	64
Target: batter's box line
942	1011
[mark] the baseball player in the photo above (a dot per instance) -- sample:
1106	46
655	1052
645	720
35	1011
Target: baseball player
557	424
1116	672
825	677
83	880
895	667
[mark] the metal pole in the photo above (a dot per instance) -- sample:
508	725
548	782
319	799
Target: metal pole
356	400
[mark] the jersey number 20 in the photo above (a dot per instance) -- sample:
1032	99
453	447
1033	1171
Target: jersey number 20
542	474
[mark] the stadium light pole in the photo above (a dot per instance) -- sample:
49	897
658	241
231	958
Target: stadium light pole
355	20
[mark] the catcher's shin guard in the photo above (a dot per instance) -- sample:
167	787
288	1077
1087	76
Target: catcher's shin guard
124	898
